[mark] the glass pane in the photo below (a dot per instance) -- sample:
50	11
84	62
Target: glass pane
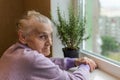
103	26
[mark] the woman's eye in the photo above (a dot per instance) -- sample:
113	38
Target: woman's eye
43	37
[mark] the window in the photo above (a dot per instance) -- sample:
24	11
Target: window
103	25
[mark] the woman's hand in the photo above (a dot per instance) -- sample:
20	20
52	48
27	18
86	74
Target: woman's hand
86	60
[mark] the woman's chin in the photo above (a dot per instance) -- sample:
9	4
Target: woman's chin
47	53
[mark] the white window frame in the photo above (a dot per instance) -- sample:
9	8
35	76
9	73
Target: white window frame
103	63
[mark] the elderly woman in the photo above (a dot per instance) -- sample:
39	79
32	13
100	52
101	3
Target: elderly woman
26	59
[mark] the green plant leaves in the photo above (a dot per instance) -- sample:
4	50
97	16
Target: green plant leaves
71	28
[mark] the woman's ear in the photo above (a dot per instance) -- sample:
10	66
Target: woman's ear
21	37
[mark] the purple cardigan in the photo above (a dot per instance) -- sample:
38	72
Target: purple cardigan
22	63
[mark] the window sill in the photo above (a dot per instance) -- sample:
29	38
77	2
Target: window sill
98	75
104	66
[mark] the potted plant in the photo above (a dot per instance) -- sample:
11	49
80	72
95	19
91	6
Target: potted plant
71	31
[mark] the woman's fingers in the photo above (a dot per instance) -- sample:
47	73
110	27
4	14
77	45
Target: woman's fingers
91	63
85	60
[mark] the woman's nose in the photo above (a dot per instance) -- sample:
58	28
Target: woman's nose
49	41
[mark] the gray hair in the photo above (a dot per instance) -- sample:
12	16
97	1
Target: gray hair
25	26
38	16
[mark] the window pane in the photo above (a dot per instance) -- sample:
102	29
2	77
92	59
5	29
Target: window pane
103	25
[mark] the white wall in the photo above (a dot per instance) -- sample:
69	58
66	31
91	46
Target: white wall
57	46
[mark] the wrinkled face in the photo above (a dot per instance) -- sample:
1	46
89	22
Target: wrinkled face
40	38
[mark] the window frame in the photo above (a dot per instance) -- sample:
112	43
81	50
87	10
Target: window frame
109	66
103	63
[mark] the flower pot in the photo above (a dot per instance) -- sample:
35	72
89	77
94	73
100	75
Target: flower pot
72	53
